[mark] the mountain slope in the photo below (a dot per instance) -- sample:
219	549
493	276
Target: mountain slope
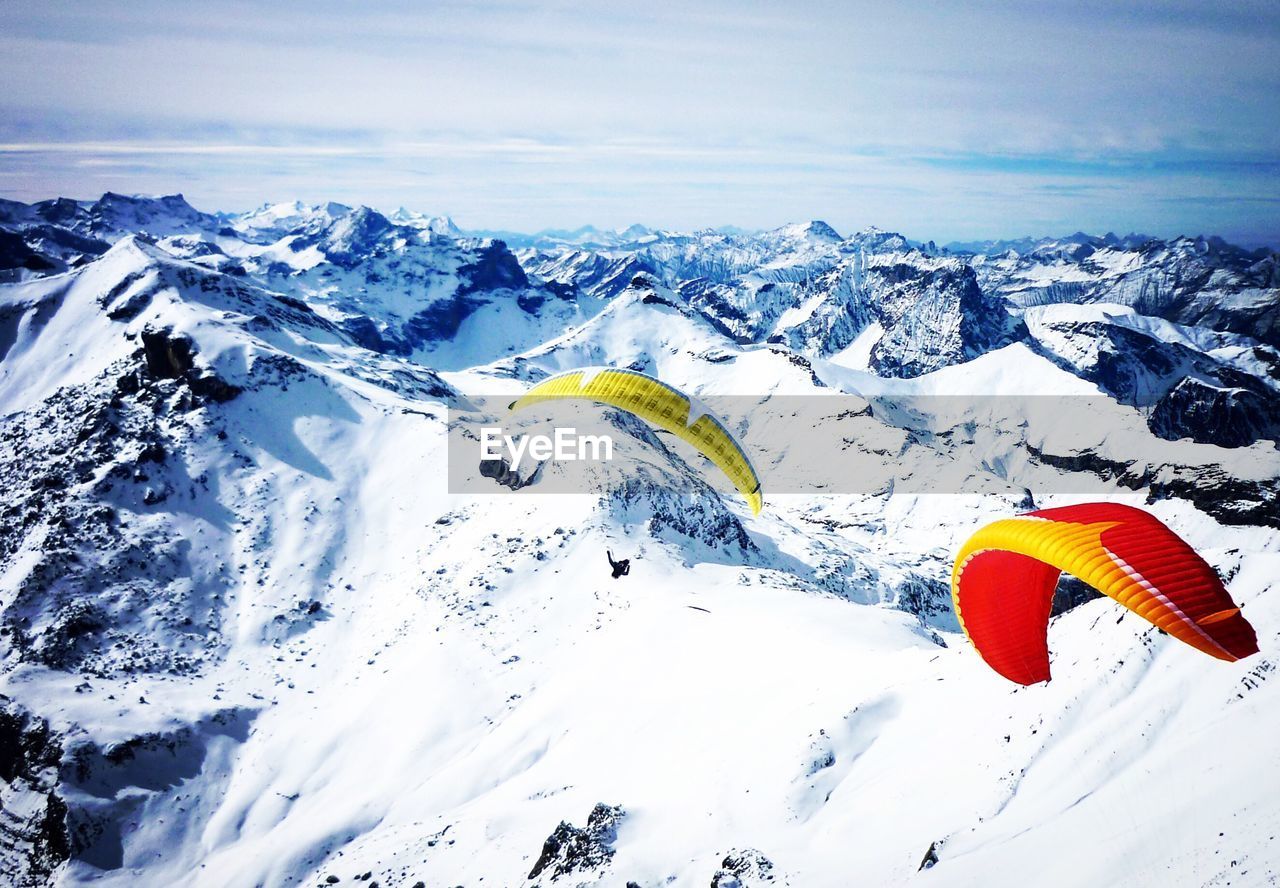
252	632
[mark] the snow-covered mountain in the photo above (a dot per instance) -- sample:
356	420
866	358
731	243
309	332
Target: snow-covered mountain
249	636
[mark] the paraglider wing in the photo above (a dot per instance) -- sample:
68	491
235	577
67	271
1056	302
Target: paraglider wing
1004	577
660	404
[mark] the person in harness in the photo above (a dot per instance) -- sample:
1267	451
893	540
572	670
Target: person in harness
620	568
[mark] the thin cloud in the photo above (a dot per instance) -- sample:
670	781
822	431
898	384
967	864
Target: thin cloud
951	120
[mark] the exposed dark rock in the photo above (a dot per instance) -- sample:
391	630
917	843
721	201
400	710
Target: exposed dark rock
567	292
168	355
15	253
933	317
112	782
599	275
355	236
500	470
366	333
115	214
94	571
530	301
172	356
130	308
1191	394
930	858
495	268
34	840
59	211
74	628
652	298
745	868
1230	500
1070	593
571	850
440	320
929	598
1194	281
1209	414
695	513
208	385
64	241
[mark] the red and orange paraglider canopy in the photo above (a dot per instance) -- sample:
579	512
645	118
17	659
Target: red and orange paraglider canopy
1004	577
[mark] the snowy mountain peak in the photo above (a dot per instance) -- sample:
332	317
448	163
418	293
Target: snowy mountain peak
114	215
143	204
441	225
353	236
880	240
273	213
634	232
816	231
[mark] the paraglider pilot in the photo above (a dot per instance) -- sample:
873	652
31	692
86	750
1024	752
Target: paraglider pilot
620	568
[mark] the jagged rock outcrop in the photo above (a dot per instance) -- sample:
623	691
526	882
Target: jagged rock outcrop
82	475
1231	500
354	237
745	868
934	314
1229	416
34	839
16	254
694	513
574	851
501	472
172	356
1186	392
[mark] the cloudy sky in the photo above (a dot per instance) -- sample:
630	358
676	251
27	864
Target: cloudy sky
941	120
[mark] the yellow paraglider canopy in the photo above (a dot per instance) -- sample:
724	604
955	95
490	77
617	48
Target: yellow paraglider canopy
658	403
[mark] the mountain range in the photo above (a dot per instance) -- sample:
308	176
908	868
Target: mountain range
249	635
